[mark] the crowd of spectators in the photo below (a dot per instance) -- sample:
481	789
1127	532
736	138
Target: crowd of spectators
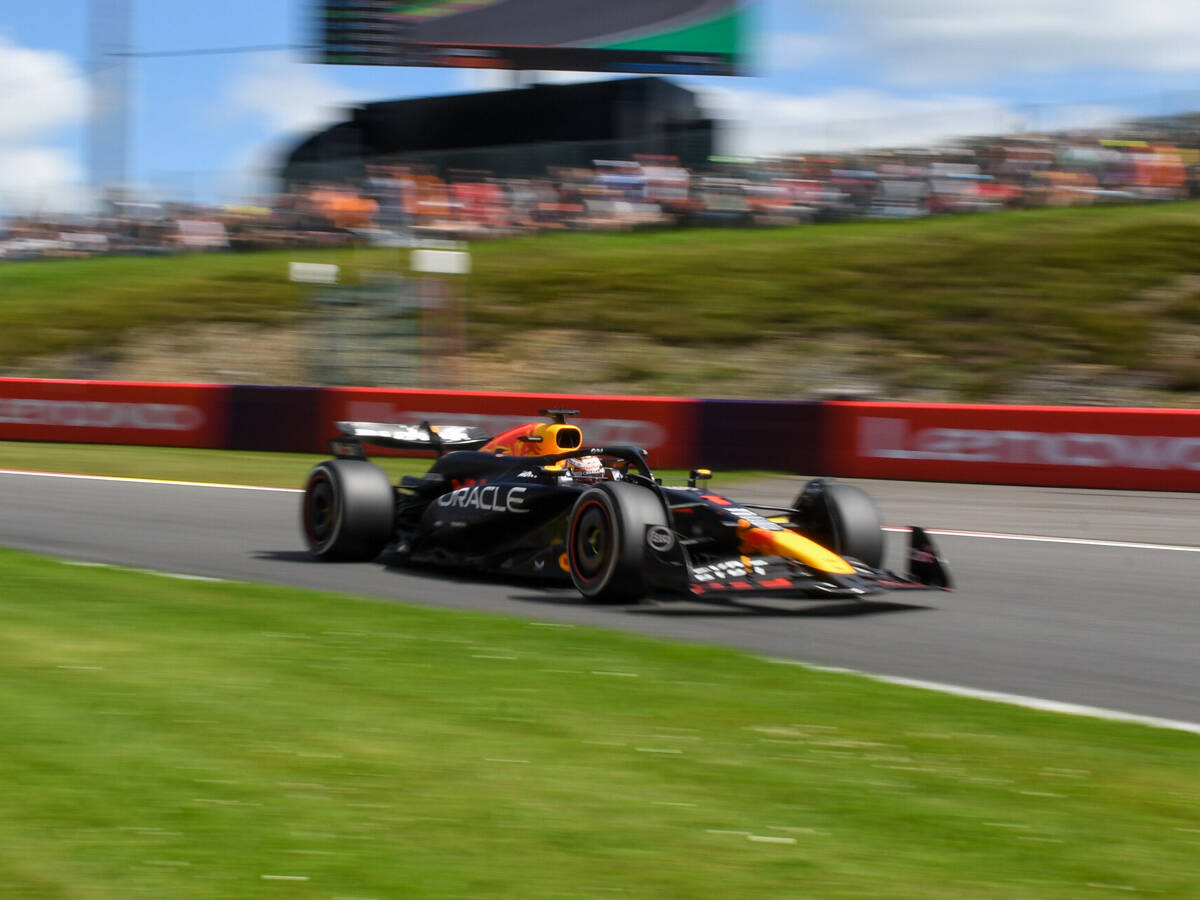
396	202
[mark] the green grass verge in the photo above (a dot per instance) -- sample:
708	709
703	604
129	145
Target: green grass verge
286	470
183	739
967	305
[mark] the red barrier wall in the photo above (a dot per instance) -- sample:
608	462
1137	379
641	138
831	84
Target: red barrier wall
667	427
104	412
1094	447
1133	449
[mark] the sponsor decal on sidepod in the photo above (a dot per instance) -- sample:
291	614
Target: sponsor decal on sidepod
494	497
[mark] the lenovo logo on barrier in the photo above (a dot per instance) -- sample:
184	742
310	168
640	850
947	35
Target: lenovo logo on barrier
889	438
100	414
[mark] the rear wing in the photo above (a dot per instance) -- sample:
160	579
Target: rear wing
438	438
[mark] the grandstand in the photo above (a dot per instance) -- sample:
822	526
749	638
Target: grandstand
513	133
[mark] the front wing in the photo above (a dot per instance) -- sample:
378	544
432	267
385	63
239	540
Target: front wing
745	576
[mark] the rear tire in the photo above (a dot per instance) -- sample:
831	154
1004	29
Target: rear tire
349	510
606	541
843	518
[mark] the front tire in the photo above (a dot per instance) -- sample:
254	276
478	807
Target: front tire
606	541
349	510
843	518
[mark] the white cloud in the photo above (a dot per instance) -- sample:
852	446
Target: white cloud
40	179
250	172
41	93
290	96
784	51
290	99
761	123
928	41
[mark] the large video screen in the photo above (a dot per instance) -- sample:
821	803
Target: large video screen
695	37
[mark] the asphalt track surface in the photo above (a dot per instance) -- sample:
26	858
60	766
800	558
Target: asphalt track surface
560	22
1106	613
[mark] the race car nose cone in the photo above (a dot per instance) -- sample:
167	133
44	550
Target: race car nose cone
791	545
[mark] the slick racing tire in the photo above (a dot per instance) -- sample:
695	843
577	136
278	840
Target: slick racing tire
843	518
606	541
348	511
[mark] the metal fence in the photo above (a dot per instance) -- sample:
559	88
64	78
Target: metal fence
388	331
367	334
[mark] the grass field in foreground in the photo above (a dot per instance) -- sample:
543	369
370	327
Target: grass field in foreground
183	739
286	470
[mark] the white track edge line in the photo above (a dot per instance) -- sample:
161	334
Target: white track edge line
118	478
989	535
1046	539
946	532
1037	703
181	576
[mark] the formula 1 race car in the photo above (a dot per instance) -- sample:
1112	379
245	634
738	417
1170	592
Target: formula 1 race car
534	501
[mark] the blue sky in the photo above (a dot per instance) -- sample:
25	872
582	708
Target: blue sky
828	74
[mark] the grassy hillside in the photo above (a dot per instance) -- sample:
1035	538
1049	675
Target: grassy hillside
1000	306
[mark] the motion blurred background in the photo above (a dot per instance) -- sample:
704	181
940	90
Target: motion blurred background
933	200
141	130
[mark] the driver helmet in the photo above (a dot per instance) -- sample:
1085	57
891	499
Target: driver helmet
585	467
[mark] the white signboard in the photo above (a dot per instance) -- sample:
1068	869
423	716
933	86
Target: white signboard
442	262
313	273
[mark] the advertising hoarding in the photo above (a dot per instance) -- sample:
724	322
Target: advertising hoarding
102	412
695	37
1088	447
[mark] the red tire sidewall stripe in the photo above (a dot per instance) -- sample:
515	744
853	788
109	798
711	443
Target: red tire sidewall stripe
608	517
316	478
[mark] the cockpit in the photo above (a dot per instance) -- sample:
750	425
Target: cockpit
549	439
538	438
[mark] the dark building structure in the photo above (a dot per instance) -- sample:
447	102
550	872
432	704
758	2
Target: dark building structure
512	133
